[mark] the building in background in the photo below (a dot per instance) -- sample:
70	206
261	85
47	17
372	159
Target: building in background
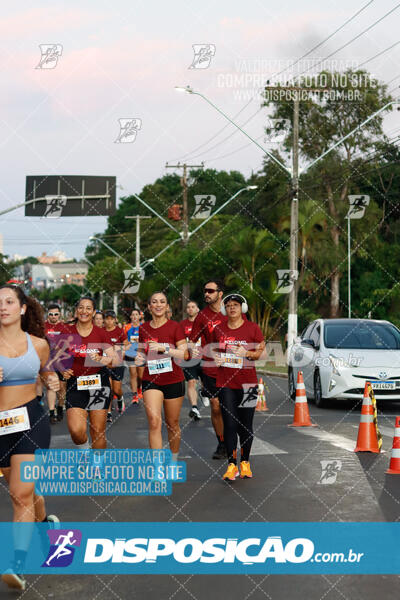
57	274
58	257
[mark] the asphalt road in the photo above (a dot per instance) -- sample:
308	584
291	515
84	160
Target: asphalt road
288	485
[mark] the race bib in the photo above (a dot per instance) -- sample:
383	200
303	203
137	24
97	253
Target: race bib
134	339
88	382
14	420
162	365
232	361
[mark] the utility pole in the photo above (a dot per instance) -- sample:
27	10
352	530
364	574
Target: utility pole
294	209
137	247
185	220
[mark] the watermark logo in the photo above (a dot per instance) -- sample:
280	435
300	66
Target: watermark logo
286	279
204	205
128	129
63	543
50	53
54	206
98	398
330	470
277	129
358	204
203	54
133	279
250	395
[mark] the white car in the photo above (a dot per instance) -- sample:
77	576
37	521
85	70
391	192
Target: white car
337	357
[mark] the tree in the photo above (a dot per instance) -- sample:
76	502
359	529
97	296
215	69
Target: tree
322	123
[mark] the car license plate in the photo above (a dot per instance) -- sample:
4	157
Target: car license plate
383	385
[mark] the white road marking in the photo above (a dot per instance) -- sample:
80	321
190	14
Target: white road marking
340	441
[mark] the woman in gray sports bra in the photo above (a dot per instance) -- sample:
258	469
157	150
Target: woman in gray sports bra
24	428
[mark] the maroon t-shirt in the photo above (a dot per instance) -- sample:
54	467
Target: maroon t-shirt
81	348
116	337
248	335
204	326
169	333
53	331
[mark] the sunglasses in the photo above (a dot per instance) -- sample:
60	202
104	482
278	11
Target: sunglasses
53	314
210	290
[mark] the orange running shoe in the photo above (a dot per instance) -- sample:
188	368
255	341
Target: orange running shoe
140	394
231	473
245	470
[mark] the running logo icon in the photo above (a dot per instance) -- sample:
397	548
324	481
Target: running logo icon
50	53
330	470
203	53
204	205
358	204
286	279
54	206
133	278
128	129
62	547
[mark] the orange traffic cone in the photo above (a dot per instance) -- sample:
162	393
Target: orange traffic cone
301	414
261	402
394	467
369	438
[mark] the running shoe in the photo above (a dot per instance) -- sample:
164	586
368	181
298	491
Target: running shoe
52	522
231	473
220	451
60	413
195	414
140	394
53	418
135	399
121	405
245	471
13	579
109	417
205	400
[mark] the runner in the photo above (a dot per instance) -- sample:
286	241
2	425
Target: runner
98	319
53	327
24	353
88	384
192	372
135	373
160	341
206	321
117	338
240	343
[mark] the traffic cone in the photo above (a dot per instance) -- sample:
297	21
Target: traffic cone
261	402
394	467
368	439
301	414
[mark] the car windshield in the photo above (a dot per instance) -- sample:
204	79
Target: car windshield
362	334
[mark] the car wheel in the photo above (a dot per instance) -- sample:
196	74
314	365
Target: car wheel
292	385
319	401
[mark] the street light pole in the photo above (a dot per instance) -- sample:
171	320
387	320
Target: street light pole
92	237
348	266
294	227
137	247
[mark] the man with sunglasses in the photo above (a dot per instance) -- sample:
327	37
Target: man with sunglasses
203	328
53	328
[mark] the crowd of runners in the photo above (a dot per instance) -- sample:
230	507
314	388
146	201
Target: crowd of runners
81	364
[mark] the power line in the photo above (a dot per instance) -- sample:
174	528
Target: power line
380	53
326	39
355	38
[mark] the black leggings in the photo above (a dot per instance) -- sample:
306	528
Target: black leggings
237	422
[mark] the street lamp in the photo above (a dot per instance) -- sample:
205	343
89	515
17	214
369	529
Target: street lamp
92	237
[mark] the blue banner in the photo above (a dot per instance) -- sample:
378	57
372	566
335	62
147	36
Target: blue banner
206	548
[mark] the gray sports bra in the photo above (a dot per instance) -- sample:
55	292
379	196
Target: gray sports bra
22	369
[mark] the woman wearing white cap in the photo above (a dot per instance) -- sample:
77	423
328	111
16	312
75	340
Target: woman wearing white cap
240	343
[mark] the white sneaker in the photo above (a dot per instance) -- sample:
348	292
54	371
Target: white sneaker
194	413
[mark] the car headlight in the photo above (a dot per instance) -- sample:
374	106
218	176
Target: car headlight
340	363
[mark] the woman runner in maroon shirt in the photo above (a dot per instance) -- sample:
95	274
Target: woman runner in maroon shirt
160	342
240	343
88	385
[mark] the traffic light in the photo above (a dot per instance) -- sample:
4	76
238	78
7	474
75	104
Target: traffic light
174	212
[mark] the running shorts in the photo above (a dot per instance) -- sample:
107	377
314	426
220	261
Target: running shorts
171	390
89	399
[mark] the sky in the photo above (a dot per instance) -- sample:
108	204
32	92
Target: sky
122	59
